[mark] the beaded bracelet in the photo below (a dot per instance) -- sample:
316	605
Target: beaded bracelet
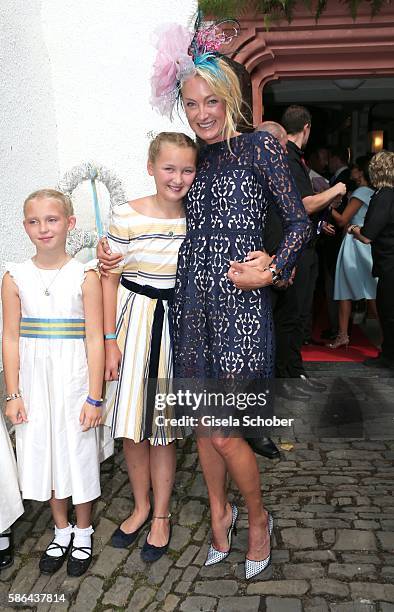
93	402
13	396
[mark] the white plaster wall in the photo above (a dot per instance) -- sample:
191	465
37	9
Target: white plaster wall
101	60
75	87
28	139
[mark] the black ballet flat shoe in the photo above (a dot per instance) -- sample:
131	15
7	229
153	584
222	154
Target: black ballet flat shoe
120	539
264	447
7	554
151	553
77	567
50	565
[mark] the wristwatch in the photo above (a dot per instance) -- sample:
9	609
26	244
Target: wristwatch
275	274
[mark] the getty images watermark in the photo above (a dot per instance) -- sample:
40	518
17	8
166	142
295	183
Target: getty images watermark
227	404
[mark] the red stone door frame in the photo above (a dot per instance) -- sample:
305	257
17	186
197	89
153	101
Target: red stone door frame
334	47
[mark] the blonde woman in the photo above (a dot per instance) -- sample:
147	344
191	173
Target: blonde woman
378	231
220	331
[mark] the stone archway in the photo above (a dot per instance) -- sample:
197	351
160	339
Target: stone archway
335	46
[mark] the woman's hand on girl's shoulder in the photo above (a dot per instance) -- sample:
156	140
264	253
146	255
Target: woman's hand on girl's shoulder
90	416
113	358
107	259
15	411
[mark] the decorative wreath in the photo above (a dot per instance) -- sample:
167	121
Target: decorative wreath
79	239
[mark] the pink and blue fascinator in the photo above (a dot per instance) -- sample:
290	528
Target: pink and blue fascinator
179	52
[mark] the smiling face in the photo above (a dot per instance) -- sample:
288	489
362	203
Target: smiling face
356	175
47	224
173	169
205	111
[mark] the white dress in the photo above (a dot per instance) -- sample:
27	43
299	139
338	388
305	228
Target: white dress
10	500
53	453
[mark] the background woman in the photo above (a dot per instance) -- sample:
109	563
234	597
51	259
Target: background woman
378	230
353	275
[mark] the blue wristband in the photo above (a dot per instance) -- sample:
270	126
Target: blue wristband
109	336
93	402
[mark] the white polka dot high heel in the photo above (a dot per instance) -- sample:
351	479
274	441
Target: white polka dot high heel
214	555
253	568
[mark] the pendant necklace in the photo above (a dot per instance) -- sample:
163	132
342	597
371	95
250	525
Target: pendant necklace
47	287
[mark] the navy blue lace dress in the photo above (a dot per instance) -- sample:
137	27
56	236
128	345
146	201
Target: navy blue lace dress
220	331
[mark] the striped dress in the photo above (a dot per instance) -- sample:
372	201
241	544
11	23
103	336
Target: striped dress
149	246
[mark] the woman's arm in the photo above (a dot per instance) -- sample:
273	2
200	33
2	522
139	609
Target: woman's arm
272	171
15	409
93	307
352	207
355	231
113	355
113	249
108	260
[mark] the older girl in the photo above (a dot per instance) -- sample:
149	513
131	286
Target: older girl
147	232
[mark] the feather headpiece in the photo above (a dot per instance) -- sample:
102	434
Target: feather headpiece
179	52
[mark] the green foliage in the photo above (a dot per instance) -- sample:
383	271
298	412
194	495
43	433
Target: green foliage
276	9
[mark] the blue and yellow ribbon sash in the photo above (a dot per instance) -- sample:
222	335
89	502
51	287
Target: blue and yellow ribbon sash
52	328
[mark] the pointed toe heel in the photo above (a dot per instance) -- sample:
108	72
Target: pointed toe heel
262	568
216	556
255	568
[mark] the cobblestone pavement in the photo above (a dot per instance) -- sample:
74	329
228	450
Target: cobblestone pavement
333	546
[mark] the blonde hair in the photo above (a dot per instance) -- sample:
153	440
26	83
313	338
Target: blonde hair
381	169
53	194
179	139
225	84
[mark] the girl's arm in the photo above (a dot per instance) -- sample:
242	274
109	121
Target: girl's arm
93	307
352	207
15	409
113	355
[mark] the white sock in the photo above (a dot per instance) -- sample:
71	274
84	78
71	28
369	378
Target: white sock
62	537
82	538
5	540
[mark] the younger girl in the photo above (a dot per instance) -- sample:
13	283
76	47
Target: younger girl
50	305
147	233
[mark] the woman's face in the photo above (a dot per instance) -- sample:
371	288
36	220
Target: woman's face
357	175
205	112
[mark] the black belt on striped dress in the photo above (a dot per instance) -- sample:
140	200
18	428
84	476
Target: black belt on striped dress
157	330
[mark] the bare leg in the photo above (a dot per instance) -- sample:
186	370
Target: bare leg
63	533
162	473
59	511
345	309
84	514
215	475
242	466
137	460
